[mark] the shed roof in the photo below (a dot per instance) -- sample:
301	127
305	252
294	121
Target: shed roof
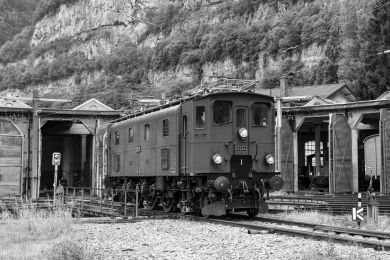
93	104
13	103
323	91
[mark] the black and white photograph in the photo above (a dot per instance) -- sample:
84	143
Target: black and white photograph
194	129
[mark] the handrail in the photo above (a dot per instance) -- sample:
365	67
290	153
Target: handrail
99	194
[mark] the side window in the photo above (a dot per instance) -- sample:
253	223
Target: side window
165	159
241	117
222	112
200	117
116	137
147	132
260	114
131	135
165	129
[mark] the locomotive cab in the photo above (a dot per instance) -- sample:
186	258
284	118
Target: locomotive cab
231	145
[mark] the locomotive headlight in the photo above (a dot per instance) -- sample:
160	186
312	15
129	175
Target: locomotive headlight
217	159
243	132
269	159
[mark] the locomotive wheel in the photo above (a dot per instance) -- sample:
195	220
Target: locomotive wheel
252	212
150	203
167	204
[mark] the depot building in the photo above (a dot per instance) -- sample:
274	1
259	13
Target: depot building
26	152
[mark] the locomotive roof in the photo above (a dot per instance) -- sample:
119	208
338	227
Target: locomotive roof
187	99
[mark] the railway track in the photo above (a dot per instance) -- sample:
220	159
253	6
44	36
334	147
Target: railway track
365	238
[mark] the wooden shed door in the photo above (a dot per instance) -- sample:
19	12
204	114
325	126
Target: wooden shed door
11	159
385	142
287	156
340	174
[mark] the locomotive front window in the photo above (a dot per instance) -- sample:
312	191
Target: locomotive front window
222	112
260	114
116	137
147	132
240	117
131	135
200	117
165	127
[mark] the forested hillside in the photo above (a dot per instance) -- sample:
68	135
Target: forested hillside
14	16
108	49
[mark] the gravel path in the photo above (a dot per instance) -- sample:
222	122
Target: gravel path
182	239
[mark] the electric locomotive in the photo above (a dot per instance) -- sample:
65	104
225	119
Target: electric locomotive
210	154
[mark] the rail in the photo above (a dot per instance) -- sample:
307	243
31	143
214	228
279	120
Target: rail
100	201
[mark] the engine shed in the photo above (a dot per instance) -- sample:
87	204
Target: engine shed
336	148
26	154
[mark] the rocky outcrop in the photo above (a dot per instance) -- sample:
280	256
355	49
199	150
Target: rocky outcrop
97	27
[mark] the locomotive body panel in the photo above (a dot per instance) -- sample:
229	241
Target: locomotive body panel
148	144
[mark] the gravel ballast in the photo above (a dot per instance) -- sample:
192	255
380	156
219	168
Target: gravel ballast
183	239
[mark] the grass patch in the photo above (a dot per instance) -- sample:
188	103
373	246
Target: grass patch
31	233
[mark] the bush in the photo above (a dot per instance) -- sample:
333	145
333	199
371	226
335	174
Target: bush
67	250
18	48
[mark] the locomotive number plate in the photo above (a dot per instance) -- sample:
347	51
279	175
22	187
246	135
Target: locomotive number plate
241	148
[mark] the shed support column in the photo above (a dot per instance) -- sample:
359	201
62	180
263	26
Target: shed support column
295	147
355	161
318	149
83	153
35	150
279	136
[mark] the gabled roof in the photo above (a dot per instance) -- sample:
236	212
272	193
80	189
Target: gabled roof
317	101
93	104
385	95
13	103
322	91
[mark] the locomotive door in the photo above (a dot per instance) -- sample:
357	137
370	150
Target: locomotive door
184	146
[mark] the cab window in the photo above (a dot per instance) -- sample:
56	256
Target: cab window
200	117
260	114
222	112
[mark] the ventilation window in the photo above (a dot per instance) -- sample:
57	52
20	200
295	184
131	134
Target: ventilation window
165	127
116	137
131	135
165	159
147	132
116	162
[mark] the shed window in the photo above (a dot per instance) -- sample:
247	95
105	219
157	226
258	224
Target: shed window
165	159
165	127
222	112
131	135
260	114
200	117
116	137
147	132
